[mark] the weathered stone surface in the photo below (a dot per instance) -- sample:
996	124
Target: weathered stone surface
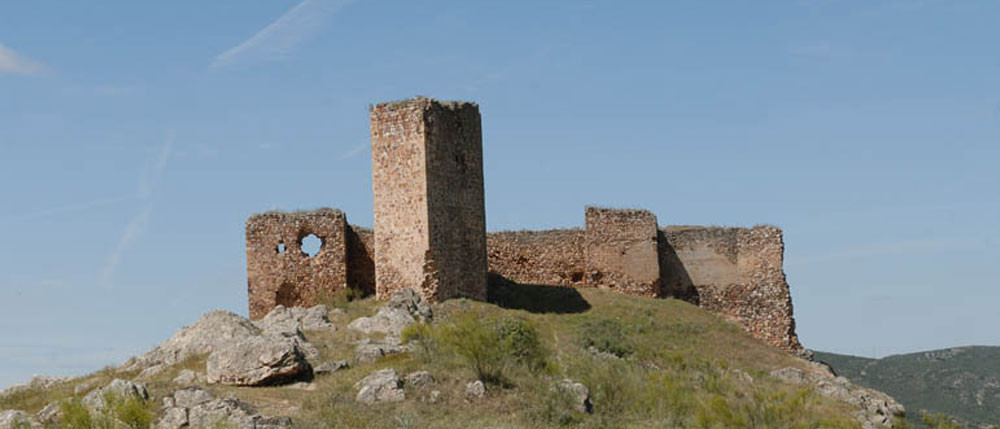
874	409
369	350
389	321
411	302
187	376
214	330
330	367
151	371
291	321
419	379
198	408
257	361
475	389
38	382
380	386
50	413
578	394
621	251
279	272
12	419
191	397
430	222
122	389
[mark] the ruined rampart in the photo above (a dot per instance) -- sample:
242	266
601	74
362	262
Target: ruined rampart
429	235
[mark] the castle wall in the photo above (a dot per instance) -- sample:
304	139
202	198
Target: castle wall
280	273
553	257
738	273
430	221
360	259
621	251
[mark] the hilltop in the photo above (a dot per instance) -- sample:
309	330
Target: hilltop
534	356
962	382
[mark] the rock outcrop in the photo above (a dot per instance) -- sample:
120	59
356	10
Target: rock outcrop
256	361
195	407
874	409
380	386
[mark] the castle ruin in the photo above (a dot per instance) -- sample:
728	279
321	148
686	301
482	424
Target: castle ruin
430	235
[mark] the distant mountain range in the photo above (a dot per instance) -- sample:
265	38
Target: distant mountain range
963	382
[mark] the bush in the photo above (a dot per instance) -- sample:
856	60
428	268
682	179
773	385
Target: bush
607	335
490	346
130	412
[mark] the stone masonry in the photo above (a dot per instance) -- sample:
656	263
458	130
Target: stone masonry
621	251
429	234
430	221
280	273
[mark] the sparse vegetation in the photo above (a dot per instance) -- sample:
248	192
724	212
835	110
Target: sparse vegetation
684	367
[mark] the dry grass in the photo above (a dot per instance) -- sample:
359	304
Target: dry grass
679	372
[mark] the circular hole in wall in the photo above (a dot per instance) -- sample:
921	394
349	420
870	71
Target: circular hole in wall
311	244
280	248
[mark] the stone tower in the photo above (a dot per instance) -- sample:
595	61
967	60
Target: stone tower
427	179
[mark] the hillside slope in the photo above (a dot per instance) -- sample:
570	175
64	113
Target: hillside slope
548	356
962	382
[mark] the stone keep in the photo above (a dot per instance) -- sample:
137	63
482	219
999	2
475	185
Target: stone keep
280	273
427	179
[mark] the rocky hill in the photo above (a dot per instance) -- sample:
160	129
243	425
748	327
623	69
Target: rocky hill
962	382
534	356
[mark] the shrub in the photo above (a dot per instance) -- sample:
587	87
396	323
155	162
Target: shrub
939	421
490	346
130	412
607	335
339	298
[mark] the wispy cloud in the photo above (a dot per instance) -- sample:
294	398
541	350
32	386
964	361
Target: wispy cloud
281	36
63	209
148	181
354	151
14	63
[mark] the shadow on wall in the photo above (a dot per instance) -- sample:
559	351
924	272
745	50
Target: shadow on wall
535	298
675	282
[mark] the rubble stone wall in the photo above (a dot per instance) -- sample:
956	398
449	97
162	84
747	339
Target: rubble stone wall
621	251
553	257
360	259
738	273
279	272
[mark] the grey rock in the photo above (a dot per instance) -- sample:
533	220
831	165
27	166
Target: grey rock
289	320
330	367
434	396
404	307
50	413
38	382
187	376
173	418
369	350
874	409
168	402
214	330
578	394
11	419
475	389
256	361
191	397
380	386
409	300
418	379
122	389
152	371
84	387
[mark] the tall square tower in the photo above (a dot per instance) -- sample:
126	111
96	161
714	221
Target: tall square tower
430	215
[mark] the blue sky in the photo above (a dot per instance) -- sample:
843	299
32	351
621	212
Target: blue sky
136	138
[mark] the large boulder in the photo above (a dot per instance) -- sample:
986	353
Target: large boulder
577	393
380	386
874	409
369	350
256	361
119	389
214	330
287	321
403	308
198	408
